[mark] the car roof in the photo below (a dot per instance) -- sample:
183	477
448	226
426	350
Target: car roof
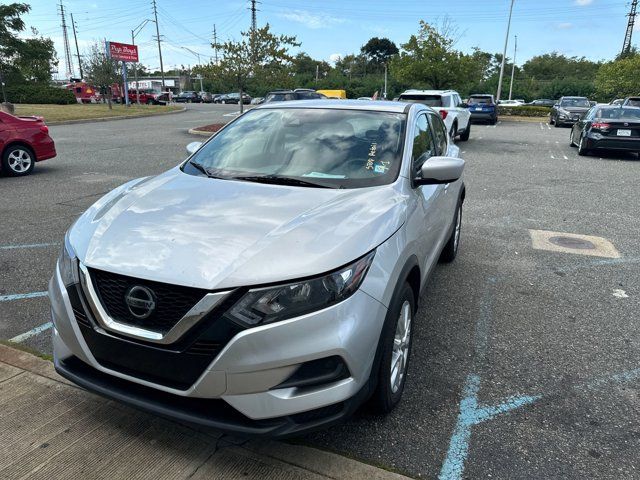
369	105
427	92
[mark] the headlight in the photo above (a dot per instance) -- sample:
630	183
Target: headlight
68	263
272	304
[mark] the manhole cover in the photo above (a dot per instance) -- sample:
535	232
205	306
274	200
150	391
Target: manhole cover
572	242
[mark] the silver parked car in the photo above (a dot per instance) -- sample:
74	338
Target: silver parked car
268	284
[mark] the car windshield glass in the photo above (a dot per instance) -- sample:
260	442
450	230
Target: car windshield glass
575	102
337	148
429	100
480	99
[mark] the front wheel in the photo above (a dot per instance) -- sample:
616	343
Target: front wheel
18	161
557	123
571	142
395	341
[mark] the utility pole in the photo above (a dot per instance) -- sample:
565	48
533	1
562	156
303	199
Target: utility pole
317	72
155	14
67	49
626	46
215	44
75	37
513	68
504	54
254	18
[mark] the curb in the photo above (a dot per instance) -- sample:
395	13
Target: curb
108	119
203	133
292	461
506	118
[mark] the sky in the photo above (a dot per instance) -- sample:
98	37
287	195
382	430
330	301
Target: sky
329	28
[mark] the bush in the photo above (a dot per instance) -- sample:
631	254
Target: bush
524	111
26	93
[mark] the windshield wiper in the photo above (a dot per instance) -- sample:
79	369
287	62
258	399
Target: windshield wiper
278	180
208	173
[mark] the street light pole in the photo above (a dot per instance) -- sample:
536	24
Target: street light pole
199	64
513	67
504	53
134	33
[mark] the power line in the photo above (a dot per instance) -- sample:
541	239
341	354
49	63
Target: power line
67	50
626	46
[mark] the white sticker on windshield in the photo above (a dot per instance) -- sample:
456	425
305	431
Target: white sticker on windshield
323	175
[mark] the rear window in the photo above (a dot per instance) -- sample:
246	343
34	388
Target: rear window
481	99
429	100
633	102
618	113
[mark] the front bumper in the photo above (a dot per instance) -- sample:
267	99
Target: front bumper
235	392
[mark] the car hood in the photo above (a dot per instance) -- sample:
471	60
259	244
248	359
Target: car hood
207	233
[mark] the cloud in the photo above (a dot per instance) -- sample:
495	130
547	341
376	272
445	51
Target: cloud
583	3
334	57
311	20
564	26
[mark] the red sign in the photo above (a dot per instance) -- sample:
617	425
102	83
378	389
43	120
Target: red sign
122	51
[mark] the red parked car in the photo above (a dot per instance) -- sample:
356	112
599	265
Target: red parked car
23	142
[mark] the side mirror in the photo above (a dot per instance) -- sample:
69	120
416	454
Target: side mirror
463	105
439	170
193	147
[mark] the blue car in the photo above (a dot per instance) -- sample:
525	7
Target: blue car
483	108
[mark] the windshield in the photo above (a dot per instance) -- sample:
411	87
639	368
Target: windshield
329	147
575	102
481	99
279	97
429	100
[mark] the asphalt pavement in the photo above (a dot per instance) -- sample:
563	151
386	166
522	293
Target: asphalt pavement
526	361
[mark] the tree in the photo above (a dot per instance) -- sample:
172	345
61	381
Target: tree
379	50
429	60
100	70
619	78
258	56
23	59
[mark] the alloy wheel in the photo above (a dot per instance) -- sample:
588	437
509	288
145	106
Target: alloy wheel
456	235
400	354
19	160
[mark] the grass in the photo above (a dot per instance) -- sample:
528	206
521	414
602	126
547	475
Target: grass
59	113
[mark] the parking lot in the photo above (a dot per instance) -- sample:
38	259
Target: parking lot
526	356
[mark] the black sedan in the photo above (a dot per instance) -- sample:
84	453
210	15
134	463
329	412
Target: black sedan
607	127
188	97
569	110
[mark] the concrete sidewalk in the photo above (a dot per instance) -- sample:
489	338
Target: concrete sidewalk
51	429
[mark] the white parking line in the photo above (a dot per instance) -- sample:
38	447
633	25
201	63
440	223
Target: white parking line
21	296
565	157
34	331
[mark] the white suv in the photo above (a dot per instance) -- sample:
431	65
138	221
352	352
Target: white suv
448	103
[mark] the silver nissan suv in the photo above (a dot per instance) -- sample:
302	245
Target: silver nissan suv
267	285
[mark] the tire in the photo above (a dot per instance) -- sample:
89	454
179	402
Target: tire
465	136
551	120
149	102
454	131
398	324
557	123
494	121
18	161
450	250
571	142
582	148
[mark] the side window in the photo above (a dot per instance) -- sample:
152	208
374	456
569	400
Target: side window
440	134
423	147
446	101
